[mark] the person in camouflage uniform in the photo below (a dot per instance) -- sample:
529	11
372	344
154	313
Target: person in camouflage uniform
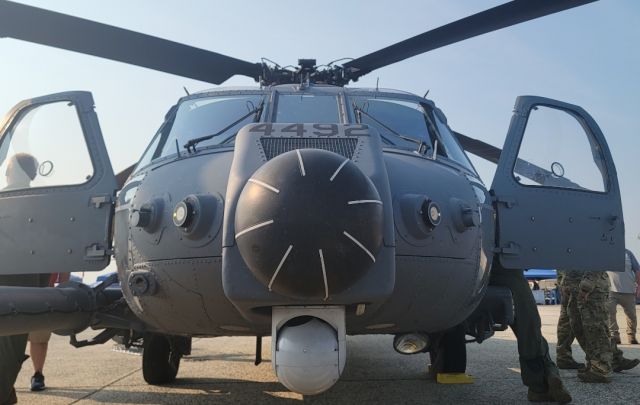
564	355
588	293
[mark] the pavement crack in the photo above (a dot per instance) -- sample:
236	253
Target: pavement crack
106	385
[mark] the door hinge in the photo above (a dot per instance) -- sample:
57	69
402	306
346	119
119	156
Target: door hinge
96	252
511	249
509	202
99	200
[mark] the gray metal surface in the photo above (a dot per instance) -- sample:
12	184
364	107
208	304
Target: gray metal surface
242	288
557	227
59	227
24	309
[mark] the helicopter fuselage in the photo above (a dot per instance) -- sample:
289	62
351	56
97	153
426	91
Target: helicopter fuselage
437	225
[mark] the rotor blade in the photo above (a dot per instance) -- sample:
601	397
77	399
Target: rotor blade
122	177
85	36
479	148
502	16
522	167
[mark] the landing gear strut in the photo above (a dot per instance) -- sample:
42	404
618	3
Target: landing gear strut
449	356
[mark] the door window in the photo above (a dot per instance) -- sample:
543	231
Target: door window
45	147
558	150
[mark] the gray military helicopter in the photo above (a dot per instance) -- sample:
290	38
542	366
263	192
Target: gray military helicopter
301	209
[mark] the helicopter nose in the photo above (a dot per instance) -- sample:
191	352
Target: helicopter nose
309	223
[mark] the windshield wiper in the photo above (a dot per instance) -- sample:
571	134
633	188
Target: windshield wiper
422	146
190	146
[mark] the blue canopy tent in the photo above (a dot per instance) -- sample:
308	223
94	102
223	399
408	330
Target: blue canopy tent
543	296
540	274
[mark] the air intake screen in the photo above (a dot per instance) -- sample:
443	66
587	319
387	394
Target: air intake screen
276	146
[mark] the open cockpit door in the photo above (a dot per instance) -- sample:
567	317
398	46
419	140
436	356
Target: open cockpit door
57	187
556	191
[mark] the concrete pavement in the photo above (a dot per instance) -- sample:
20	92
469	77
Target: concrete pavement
221	370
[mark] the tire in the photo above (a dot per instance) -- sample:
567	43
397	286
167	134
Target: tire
159	363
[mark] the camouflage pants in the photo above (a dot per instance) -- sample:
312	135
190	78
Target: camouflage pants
589	321
565	333
587	309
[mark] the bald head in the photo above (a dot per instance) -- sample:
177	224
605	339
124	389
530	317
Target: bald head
22	168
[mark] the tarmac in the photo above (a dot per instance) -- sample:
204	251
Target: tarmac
221	371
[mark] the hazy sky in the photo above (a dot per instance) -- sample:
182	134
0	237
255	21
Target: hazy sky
588	56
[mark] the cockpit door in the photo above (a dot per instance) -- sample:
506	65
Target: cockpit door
57	187
556	191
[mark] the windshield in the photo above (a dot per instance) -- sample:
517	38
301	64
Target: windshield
404	123
451	146
203	117
396	120
321	109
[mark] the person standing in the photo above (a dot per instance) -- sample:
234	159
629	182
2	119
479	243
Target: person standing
39	342
623	293
538	372
564	355
588	293
12	348
21	169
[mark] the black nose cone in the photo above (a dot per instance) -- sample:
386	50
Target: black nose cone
309	223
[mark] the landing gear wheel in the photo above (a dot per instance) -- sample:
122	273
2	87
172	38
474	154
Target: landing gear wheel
160	362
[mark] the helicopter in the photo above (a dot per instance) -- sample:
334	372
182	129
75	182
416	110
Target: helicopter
302	209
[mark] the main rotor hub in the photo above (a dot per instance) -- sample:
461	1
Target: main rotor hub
309	223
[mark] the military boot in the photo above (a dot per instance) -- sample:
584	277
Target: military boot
569	364
534	396
557	390
625	364
13	399
588	375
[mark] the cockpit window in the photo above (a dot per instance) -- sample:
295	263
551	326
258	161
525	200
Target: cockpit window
396	120
451	146
206	116
404	124
321	109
